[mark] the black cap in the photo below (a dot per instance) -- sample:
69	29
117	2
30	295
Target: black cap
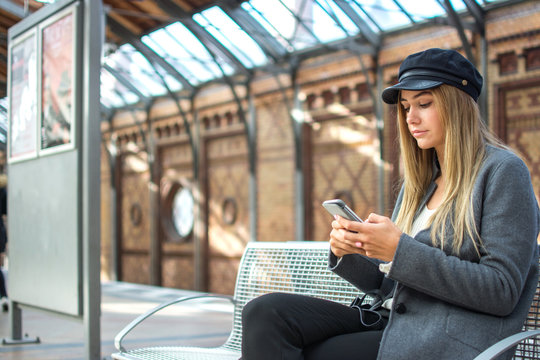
434	67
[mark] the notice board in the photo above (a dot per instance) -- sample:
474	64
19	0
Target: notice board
44	159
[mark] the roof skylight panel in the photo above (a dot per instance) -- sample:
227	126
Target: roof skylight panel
232	36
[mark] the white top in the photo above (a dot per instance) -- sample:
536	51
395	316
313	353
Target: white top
418	225
420	222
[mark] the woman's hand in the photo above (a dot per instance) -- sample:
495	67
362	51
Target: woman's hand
344	236
377	237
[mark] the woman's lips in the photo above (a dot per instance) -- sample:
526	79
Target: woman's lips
418	133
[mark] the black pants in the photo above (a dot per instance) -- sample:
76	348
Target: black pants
3	292
288	327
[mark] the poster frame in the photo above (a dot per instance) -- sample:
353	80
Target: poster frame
72	11
33	123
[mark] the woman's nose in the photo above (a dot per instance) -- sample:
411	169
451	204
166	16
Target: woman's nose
411	117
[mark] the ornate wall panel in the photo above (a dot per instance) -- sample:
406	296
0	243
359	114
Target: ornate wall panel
134	225
344	162
521	120
176	171
135	268
228	206
275	171
178	271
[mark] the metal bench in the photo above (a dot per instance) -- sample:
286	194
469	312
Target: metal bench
293	267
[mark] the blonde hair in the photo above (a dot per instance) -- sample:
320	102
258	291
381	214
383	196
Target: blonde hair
464	149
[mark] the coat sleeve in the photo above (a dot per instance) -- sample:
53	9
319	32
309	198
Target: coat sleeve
359	270
507	218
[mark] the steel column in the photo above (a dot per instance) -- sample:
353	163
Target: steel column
91	135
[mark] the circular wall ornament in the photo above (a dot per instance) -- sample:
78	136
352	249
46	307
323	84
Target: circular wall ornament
229	210
135	214
177	210
182	212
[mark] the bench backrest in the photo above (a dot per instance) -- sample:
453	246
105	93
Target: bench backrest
292	267
530	348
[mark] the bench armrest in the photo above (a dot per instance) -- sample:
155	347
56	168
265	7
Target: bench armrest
499	348
127	329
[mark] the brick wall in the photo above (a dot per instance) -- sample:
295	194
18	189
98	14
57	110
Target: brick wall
275	172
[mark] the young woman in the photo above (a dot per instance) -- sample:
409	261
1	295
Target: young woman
453	272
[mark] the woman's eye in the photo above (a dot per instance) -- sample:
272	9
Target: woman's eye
426	105
406	109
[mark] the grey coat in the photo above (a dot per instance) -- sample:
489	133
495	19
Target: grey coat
454	307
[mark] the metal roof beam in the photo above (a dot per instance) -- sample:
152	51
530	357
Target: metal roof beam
153	57
354	46
478	13
373	38
300	23
264	39
333	16
214	46
210	42
403	10
106	112
456	22
124	81
126	107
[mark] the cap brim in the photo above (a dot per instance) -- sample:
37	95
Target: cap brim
390	94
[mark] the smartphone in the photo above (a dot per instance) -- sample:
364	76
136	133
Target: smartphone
338	207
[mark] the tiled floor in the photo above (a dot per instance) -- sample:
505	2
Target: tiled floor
200	323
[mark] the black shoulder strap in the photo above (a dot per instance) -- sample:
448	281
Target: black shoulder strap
387	287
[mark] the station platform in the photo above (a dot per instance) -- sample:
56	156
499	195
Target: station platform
199	323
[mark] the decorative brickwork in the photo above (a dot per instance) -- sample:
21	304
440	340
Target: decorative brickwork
177	156
223	274
177	258
521	117
135	268
345	158
227	178
275	171
532	58
135	191
135	237
178	271
508	63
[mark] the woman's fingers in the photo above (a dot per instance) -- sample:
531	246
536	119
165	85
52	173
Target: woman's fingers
349	225
377	237
343	242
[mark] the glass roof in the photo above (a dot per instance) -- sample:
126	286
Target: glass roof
255	34
181	48
222	41
230	34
